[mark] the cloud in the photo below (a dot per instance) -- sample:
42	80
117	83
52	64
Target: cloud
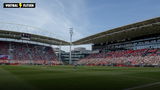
54	19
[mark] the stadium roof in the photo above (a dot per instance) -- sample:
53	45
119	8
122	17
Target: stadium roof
128	32
36	38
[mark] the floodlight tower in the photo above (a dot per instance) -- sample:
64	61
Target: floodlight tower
70	54
60	51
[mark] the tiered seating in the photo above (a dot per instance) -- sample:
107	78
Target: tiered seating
142	57
3	48
28	54
127	53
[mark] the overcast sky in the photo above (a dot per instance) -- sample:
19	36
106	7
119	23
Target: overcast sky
87	17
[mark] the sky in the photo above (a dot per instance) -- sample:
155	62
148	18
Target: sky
86	17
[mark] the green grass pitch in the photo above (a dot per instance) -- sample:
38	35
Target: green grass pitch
79	78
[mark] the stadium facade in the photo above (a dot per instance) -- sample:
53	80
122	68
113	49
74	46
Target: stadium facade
77	54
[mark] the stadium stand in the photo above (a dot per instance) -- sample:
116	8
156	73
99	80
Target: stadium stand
141	57
26	48
136	44
21	53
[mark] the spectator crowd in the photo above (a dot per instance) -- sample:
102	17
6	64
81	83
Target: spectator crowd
141	57
22	53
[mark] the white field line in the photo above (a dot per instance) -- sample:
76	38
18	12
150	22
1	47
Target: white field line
143	86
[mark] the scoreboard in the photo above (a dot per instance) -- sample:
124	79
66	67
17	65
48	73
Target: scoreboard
25	36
